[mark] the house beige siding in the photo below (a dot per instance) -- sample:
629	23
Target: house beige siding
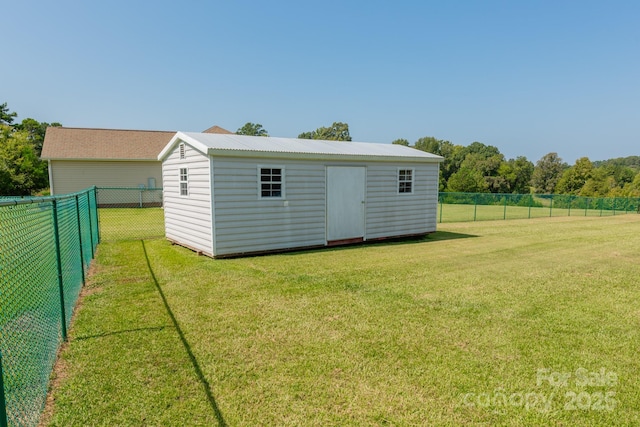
69	176
188	219
390	213
244	222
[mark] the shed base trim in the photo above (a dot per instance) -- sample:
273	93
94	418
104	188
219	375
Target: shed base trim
345	241
196	250
342	242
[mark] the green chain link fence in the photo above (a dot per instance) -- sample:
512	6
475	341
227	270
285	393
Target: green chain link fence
121	217
46	246
459	207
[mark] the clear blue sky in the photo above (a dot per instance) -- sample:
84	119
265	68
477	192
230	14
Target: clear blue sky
528	77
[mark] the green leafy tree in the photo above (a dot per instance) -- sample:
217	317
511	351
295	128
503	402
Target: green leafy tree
6	117
429	144
445	149
36	131
484	151
622	174
517	175
574	178
450	152
21	171
547	173
252	129
401	141
632	189
599	184
630	161
338	131
467	180
486	160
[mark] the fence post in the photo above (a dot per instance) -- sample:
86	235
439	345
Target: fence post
90	225
570	202
3	405
440	197
614	206
56	237
80	239
475	205
601	205
530	203
95	199
504	215
551	206
586	206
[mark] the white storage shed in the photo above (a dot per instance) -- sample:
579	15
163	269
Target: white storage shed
229	195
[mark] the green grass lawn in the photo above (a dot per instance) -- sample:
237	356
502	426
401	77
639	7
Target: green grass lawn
477	324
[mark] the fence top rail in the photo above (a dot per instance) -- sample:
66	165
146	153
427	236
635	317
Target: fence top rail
541	195
130	188
43	199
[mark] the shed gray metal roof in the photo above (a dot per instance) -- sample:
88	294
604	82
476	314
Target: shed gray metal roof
294	148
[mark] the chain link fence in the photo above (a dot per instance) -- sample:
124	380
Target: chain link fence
121	216
46	246
130	213
460	207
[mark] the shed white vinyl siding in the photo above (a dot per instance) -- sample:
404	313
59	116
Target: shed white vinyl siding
188	219
245	222
390	213
70	176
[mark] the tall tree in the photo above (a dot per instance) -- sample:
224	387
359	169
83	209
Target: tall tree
632	189
599	184
574	178
400	141
252	129
546	173
517	174
6	117
429	144
467	180
442	148
36	131
338	131
21	171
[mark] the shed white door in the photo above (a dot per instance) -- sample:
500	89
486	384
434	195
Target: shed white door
345	203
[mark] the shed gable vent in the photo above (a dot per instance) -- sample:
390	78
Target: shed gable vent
182	155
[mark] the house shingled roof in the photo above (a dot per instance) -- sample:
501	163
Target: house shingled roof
63	143
217	129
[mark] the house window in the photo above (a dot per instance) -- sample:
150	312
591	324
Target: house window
182	155
271	182
405	181
184	182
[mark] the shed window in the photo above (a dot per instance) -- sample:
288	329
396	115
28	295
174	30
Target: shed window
271	182
182	155
405	181
184	182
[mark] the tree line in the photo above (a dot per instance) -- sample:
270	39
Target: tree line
480	168
475	168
